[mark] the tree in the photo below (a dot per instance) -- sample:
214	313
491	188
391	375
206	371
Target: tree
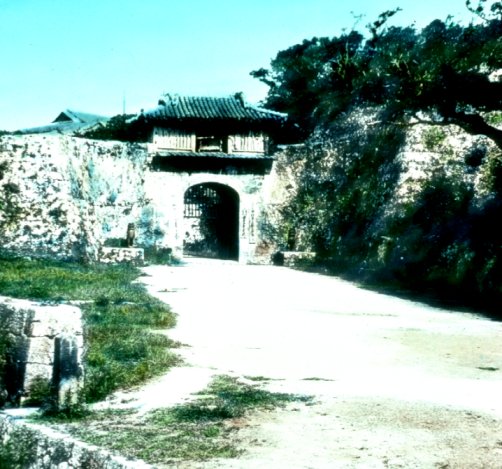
120	127
302	75
445	74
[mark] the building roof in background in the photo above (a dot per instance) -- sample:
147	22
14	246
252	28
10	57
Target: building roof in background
79	117
68	122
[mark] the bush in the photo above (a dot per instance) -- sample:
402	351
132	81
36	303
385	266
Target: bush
39	392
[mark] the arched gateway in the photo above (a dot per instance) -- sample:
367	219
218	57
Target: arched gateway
211	221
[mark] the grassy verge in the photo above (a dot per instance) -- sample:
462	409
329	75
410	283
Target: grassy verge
196	431
118	313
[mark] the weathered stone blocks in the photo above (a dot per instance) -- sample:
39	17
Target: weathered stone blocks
40	343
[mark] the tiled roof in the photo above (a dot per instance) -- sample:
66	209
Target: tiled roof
233	108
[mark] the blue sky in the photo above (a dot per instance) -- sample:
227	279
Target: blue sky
87	55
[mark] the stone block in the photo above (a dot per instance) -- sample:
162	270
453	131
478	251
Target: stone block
109	255
298	258
32	331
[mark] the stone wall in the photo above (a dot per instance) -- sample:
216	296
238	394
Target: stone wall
63	196
67	197
41	347
26	445
429	148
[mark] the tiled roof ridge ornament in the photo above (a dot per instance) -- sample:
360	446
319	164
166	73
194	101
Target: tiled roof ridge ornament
241	98
168	98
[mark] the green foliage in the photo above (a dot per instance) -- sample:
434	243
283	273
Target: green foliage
5	346
341	193
442	239
62	412
196	431
18	451
494	118
227	397
9	194
120	127
42	279
441	71
122	353
431	225
122	349
433	138
39	392
119	318
440	75
480	9
4	166
301	79
162	256
495	175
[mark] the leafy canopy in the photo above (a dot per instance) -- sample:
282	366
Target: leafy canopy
447	72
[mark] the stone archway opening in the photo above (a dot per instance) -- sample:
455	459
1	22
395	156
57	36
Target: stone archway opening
211	221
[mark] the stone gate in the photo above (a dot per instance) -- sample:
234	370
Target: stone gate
209	161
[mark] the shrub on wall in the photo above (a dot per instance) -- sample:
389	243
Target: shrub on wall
10	211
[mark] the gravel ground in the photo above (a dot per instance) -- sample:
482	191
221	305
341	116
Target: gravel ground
396	384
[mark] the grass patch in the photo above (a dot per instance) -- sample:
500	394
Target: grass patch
259	378
196	431
43	279
119	316
229	396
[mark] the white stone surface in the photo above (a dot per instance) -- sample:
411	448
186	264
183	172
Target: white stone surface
33	328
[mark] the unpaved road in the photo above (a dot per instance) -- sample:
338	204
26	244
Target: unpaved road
397	384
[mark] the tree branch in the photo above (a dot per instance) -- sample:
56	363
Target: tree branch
473	124
476	125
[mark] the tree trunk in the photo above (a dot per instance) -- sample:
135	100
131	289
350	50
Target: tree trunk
476	125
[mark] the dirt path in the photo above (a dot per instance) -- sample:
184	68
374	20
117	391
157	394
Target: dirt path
397	384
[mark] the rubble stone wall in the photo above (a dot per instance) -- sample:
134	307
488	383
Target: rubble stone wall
36	447
63	196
